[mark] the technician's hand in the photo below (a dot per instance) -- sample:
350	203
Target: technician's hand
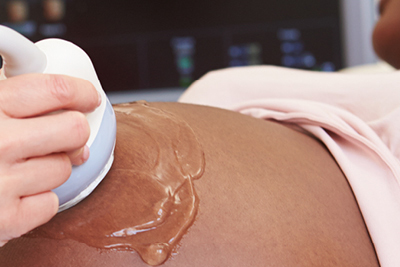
36	151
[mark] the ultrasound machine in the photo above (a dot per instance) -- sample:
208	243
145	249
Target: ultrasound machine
153	50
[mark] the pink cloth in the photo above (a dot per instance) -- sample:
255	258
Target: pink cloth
357	116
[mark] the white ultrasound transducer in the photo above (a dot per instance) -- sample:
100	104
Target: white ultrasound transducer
56	56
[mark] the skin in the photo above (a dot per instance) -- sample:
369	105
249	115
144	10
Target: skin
277	198
56	141
28	204
386	35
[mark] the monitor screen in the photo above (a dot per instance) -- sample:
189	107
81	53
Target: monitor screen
152	44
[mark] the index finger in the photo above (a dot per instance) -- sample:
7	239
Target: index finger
35	94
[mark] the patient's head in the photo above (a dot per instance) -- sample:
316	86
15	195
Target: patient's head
386	37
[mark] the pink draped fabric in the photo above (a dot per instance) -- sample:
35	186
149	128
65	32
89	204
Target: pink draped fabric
357	116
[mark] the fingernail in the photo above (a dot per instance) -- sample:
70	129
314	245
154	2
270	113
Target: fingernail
85	153
99	100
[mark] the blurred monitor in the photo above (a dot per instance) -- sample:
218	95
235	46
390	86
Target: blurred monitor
168	44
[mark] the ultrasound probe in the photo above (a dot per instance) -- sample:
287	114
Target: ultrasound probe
56	56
